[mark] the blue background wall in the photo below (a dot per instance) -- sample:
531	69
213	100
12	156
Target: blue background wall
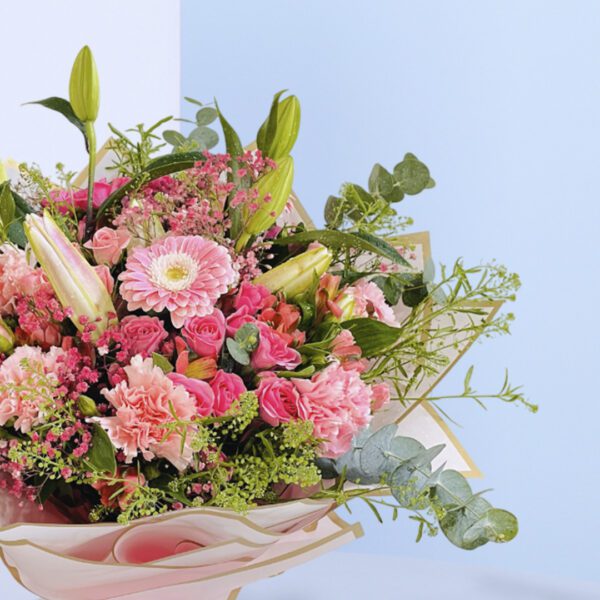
501	99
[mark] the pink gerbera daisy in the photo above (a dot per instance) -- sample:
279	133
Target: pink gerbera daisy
184	274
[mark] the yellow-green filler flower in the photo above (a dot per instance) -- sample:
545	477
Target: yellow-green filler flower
297	274
73	279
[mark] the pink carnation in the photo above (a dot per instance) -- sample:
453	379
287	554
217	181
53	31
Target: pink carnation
184	274
338	402
205	335
278	400
370	302
22	376
17	276
273	351
144	334
227	388
144	404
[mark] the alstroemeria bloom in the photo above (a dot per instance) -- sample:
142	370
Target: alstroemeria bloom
75	282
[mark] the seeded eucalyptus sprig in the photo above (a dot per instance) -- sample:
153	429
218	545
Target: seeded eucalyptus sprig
404	465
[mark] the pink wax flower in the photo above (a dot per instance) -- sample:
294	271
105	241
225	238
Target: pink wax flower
184	274
113	495
144	334
102	190
253	297
338	402
200	390
381	396
17	276
21	375
108	245
205	335
144	404
278	400
227	388
273	351
106	278
370	302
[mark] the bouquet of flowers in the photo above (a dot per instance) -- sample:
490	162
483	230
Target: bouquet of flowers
192	377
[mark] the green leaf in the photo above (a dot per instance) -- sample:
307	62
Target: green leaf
16	234
373	337
416	292
374	456
160	361
62	106
391	287
340	239
7	206
193	101
233	145
334	215
247	337
237	352
173	137
205	137
301	374
496	525
102	452
411	175
205	116
381	181
163	165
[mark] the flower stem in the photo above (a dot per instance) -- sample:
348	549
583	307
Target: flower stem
90	135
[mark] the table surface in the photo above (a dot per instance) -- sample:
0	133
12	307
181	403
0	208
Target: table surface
362	576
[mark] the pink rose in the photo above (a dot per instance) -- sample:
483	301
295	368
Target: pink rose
106	278
205	335
205	397
227	388
102	190
273	351
278	399
237	319
144	334
253	297
108	245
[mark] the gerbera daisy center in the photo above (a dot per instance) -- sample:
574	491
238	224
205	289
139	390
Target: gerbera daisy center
174	271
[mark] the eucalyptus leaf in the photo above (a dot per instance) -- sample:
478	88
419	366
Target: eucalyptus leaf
333	211
496	525
381	181
173	137
247	337
411	175
205	137
375	452
16	234
205	116
237	352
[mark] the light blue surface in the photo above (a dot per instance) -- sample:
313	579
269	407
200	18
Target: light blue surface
501	99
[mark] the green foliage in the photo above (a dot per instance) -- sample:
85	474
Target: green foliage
101	457
412	176
201	137
242	345
63	107
162	362
404	465
372	336
362	241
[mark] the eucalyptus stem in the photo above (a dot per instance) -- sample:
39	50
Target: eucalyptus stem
90	134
